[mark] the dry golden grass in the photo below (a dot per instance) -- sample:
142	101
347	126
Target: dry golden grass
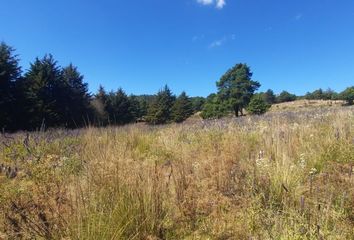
306	104
279	176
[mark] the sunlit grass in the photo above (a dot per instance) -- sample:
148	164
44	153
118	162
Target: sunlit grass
279	176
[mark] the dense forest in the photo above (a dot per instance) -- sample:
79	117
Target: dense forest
48	95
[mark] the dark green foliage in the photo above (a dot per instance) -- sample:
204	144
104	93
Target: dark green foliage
348	95
10	72
43	93
182	108
236	88
76	99
118	108
257	105
139	107
269	97
99	107
159	111
319	94
197	103
285	96
214	107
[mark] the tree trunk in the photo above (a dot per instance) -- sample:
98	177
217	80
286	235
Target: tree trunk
236	111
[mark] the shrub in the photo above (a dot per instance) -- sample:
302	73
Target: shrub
257	105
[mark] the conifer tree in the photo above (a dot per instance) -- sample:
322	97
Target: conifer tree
285	96
43	90
236	88
214	107
182	108
269	96
348	95
10	73
99	104
257	105
119	108
76	99
159	111
138	107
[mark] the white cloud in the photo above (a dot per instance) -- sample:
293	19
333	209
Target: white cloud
205	2
218	3
222	41
218	43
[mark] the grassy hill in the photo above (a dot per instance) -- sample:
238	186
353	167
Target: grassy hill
284	175
306	104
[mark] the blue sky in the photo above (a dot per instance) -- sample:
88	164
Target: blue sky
188	44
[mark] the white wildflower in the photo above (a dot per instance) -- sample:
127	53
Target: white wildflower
313	171
302	162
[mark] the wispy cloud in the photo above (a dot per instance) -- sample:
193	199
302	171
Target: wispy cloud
217	43
218	3
298	16
197	38
222	41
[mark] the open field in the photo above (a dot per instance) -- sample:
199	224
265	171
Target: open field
283	175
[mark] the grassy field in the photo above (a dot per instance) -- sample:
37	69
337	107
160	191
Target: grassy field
284	175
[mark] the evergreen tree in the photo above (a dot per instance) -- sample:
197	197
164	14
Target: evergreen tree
10	73
236	87
319	94
182	108
118	108
348	95
197	103
138	107
76	99
285	96
43	90
330	94
257	105
269	96
159	111
99	103
214	107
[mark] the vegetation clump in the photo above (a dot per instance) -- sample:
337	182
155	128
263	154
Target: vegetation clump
257	105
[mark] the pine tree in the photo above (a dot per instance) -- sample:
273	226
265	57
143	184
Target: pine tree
285	96
119	108
10	73
138	106
182	108
197	103
42	89
257	105
76	101
348	95
269	96
236	87
99	105
159	111
214	107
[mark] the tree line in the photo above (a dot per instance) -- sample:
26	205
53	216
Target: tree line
237	91
48	95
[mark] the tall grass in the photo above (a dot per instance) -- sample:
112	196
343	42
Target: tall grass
280	176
